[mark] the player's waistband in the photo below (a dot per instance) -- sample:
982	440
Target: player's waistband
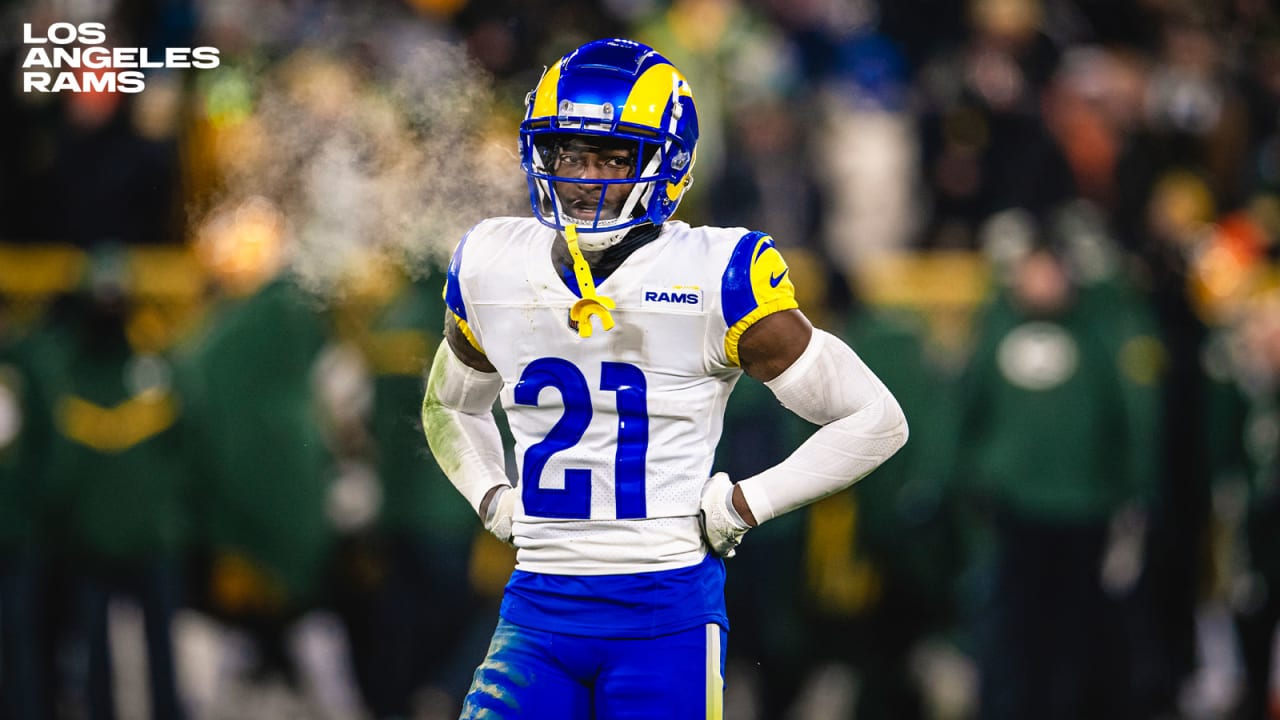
605	547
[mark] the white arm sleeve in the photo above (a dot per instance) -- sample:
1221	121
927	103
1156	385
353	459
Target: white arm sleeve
862	426
457	417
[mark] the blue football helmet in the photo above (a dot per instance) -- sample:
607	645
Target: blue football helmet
619	91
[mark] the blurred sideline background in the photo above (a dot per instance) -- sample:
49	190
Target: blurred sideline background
1050	225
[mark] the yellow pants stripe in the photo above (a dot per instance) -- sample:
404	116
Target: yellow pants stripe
715	680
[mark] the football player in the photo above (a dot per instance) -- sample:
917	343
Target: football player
613	336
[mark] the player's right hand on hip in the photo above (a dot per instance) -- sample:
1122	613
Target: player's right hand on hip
722	527
501	510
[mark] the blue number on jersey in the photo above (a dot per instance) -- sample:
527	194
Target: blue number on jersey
633	435
574	500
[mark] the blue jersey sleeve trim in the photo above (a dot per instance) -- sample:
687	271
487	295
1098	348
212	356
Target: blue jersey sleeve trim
737	299
452	286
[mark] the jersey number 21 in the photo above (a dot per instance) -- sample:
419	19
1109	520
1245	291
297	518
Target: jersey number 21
574	500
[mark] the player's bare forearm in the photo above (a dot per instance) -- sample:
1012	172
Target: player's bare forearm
773	343
488	499
740	504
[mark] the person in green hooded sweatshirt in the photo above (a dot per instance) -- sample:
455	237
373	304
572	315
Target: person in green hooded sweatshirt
1054	442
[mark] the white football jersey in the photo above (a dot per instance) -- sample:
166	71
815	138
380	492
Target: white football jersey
615	433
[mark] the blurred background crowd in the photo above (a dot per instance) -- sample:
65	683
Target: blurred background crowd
1050	225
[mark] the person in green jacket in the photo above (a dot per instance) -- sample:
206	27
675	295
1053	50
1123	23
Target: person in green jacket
1054	442
264	536
116	511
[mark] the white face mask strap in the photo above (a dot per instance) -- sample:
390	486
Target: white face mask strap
642	189
545	192
676	109
673	124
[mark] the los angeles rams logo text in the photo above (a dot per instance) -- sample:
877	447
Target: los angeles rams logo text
682	296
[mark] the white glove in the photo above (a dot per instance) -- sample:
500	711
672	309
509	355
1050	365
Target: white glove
501	510
722	527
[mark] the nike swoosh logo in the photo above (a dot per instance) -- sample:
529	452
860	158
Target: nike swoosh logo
773	281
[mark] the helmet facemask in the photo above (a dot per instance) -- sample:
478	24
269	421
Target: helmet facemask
568	193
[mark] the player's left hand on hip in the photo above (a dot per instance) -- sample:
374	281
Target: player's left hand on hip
501	511
722	527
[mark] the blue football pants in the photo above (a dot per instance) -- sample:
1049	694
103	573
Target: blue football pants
538	675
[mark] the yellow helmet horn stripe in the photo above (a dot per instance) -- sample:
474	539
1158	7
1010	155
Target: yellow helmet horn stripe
544	98
650	94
